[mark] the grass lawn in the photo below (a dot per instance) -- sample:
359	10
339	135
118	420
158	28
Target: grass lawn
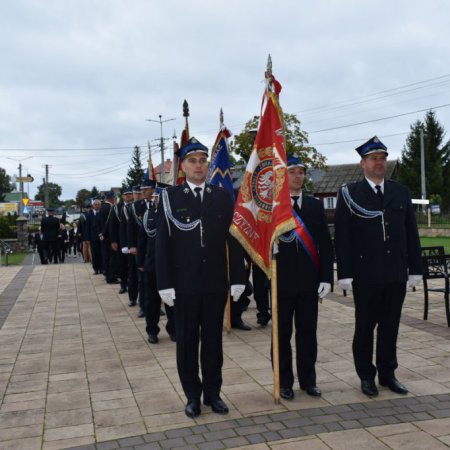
14	259
435	242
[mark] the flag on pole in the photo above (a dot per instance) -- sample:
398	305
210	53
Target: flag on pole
263	208
220	170
150	172
178	174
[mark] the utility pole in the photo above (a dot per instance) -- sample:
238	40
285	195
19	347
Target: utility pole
422	166
20	190
163	161
46	200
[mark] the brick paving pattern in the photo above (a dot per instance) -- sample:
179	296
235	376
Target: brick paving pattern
76	372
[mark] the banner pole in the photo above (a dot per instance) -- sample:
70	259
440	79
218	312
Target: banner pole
228	304
275	342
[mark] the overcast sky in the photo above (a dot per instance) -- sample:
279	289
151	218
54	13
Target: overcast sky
79	78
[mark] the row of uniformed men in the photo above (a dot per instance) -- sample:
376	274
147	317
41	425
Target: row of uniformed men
186	242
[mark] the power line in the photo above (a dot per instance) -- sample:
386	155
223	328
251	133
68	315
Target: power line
379	119
343	103
355	140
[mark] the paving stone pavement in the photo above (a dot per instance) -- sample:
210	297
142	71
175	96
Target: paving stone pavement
76	372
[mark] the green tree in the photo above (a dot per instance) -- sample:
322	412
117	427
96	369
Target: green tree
296	141
436	159
94	192
135	174
82	196
54	191
5	184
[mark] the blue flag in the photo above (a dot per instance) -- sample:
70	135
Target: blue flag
220	170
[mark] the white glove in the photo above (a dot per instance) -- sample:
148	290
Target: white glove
167	296
237	290
346	284
413	280
324	289
124	250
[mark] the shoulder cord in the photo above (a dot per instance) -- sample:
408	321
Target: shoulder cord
170	218
289	238
138	220
361	212
125	212
150	233
116	210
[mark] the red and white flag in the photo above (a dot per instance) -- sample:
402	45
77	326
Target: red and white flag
263	208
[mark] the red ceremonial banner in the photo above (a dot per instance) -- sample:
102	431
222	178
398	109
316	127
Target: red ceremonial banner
263	209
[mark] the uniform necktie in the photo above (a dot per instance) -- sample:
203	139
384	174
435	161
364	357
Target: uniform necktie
296	205
379	195
198	196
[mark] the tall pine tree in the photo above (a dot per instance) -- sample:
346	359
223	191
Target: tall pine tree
135	174
437	156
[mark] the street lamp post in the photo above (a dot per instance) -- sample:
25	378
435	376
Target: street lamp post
163	161
20	182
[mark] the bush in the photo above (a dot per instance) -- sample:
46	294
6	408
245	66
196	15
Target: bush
6	231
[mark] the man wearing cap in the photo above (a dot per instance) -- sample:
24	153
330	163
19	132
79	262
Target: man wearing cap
94	232
138	209
378	256
133	194
191	260
116	243
305	274
50	230
108	257
145	261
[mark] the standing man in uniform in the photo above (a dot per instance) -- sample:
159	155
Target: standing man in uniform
108	257
138	209
191	260
305	274
378	255
50	230
145	261
94	230
116	242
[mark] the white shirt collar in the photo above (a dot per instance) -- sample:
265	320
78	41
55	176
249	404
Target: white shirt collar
372	185
299	201
192	186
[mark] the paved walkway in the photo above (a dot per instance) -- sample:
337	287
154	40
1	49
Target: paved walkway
76	371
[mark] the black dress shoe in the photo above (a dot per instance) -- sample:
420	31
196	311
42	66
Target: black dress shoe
217	405
122	290
263	321
193	408
287	393
394	385
141	313
131	303
241	326
153	339
173	338
313	391
369	388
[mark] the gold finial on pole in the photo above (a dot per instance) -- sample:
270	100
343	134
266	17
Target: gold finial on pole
185	109
221	117
269	66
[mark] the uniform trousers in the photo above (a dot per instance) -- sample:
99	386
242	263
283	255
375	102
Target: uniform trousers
152	306
199	320
96	255
51	251
261	292
123	269
132	278
377	305
302	309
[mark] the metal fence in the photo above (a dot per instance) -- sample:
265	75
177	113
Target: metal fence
432	217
